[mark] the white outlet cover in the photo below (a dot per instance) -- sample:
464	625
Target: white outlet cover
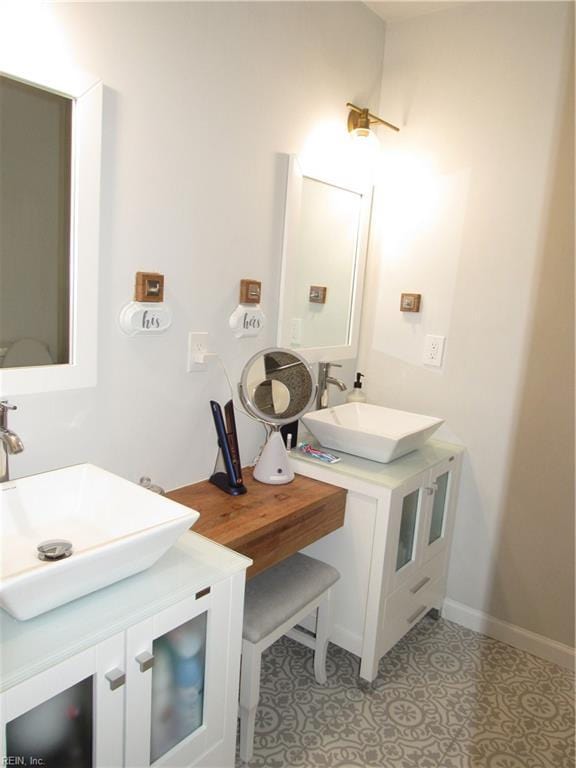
197	351
433	350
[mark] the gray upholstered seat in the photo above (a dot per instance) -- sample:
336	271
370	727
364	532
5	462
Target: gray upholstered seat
275	602
278	593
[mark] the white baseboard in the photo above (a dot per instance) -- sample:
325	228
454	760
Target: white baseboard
551	650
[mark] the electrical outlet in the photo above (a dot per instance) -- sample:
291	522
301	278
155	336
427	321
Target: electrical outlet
197	351
433	350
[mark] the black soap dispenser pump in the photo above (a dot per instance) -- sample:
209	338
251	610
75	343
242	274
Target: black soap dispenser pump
356	394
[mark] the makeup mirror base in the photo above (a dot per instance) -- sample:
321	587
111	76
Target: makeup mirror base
273	466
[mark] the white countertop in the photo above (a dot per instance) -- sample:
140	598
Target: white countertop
30	647
390	475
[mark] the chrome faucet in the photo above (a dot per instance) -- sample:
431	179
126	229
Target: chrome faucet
324	380
10	443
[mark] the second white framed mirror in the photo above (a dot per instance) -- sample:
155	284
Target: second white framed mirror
323	261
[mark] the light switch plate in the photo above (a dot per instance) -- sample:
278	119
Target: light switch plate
434	350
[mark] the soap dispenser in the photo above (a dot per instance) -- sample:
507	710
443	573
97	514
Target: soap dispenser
356	395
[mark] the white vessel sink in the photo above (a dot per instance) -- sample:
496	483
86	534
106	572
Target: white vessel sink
371	431
116	529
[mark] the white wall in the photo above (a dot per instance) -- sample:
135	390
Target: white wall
200	100
475	212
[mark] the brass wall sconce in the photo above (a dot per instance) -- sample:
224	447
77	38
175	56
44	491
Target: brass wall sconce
360	120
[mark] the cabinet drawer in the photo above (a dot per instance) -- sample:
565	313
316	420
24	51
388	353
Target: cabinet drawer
408	614
408	604
410	593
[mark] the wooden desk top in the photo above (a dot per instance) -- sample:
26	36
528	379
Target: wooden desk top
268	523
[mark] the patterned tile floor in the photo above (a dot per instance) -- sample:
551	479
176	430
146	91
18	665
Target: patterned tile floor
445	697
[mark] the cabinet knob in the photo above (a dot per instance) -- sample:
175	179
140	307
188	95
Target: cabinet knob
430	490
116	678
145	661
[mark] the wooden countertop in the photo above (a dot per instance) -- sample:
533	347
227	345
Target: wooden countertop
268	523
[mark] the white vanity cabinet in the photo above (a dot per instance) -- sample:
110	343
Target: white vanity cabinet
392	552
142	673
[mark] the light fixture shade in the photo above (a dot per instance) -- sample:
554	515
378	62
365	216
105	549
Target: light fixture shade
365	138
363	133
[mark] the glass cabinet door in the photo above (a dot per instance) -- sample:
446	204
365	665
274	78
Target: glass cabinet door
405	552
172	660
55	734
177	700
439	512
438	508
70	715
405	534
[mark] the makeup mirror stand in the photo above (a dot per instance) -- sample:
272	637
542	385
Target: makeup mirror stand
276	387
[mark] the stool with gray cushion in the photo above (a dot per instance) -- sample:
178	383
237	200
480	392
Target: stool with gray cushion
276	600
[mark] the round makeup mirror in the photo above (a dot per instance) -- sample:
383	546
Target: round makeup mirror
276	387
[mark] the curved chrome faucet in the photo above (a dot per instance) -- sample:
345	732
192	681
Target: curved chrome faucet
10	442
324	380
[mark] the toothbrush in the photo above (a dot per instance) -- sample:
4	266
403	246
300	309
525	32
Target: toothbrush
329	458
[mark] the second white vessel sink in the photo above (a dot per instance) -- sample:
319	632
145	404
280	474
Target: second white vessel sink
371	431
116	529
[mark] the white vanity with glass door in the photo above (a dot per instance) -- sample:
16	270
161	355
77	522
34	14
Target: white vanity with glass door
392	552
144	672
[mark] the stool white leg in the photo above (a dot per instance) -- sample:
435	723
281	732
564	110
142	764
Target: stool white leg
323	629
249	695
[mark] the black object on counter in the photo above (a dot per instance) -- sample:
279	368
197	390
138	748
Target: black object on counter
227	473
290	429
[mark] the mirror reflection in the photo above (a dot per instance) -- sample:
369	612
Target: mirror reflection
277	386
35	225
272	397
320	269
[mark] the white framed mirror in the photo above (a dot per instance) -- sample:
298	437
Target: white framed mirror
323	261
50	145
